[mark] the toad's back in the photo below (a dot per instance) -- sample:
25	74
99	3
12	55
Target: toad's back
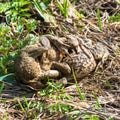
82	63
26	67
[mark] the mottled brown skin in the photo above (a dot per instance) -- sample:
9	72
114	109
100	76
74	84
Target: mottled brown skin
75	55
56	58
84	60
81	63
34	64
28	69
78	55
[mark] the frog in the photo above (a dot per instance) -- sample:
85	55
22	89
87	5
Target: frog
56	57
52	58
28	69
81	56
38	62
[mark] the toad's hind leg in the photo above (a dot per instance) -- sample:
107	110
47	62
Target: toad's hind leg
101	54
63	67
41	80
49	74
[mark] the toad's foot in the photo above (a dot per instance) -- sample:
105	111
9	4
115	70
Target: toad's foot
63	80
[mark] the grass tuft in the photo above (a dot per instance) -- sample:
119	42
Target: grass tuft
81	95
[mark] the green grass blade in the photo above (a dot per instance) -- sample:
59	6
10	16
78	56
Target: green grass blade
2	87
60	6
97	105
77	86
66	7
99	20
39	9
21	106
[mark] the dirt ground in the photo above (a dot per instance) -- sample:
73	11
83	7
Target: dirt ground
103	83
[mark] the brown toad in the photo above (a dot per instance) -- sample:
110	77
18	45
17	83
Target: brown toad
52	58
38	62
28	69
82	58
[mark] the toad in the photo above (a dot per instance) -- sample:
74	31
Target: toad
28	69
79	55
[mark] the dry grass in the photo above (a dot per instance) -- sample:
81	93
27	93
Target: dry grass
102	87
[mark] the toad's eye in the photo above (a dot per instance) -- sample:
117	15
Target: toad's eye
70	51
